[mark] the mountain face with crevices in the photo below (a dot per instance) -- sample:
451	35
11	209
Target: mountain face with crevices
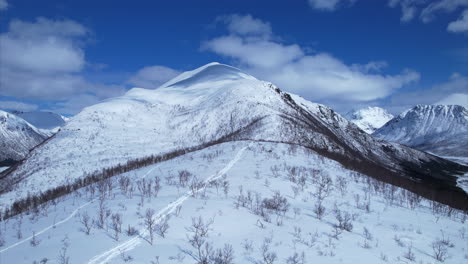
440	129
17	138
213	104
369	119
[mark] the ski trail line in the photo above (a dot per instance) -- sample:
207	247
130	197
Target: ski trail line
58	223
47	228
130	244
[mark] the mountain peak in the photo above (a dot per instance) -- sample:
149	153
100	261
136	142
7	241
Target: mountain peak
441	129
370	118
208	73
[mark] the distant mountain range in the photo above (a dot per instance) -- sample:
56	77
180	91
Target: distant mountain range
22	131
440	129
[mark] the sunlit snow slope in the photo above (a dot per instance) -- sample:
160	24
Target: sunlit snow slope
215	103
369	119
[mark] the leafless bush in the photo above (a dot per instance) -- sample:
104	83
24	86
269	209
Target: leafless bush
157	186
223	256
344	220
184	177
409	254
85	220
34	240
319	210
277	203
197	237
63	257
150	223
124	183
296	259
342	185
195	186
440	250
163	226
131	231
116	225
268	257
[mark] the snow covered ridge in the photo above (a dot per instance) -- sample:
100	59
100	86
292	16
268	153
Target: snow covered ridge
219	103
369	119
440	129
17	137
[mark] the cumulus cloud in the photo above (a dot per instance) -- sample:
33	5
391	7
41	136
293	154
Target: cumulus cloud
152	77
3	5
455	99
441	93
15	105
318	76
45	60
246	25
328	5
460	25
447	6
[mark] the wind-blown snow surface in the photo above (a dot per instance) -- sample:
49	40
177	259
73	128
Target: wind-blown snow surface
17	137
369	119
47	122
441	129
394	227
209	103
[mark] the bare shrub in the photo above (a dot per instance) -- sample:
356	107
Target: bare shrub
85	220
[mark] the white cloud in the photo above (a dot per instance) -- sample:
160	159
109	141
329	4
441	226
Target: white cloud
43	46
328	5
429	9
460	25
455	99
75	104
152	77
246	25
447	6
318	76
456	84
3	4
254	52
45	60
20	106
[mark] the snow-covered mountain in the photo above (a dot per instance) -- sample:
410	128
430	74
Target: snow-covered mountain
440	129
218	166
212	104
369	119
47	122
17	137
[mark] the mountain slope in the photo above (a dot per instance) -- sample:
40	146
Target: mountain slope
17	137
46	121
213	104
383	223
369	119
441	129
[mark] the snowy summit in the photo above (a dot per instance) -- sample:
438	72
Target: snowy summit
369	119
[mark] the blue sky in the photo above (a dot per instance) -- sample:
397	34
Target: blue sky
64	55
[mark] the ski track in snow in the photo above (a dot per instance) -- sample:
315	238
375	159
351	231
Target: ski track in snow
134	242
58	223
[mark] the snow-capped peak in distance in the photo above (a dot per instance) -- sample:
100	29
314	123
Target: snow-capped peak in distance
213	104
370	118
441	129
17	137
